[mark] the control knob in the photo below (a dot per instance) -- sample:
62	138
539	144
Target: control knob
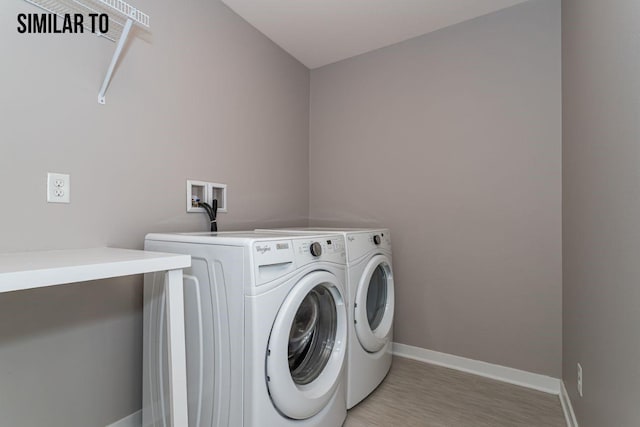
316	249
376	239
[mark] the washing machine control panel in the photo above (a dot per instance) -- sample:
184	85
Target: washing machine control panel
273	252
273	259
326	248
315	249
276	258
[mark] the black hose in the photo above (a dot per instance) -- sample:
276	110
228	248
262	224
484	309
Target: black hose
212	212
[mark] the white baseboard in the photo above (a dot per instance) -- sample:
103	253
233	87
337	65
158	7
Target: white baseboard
133	420
567	407
501	373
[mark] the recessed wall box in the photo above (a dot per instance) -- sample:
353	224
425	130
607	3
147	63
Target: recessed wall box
218	192
202	191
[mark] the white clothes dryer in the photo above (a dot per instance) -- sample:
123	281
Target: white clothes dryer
266	330
370	303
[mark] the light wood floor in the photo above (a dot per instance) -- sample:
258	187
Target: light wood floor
419	394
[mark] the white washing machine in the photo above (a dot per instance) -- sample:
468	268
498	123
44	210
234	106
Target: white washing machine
370	304
266	330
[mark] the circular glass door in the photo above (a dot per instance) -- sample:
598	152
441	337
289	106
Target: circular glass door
374	304
307	346
312	335
377	297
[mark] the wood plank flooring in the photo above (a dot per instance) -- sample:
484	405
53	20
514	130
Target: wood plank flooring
417	394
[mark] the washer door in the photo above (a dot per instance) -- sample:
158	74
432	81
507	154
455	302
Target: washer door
374	304
307	346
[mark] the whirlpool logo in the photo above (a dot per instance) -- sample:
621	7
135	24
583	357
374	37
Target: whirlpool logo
263	249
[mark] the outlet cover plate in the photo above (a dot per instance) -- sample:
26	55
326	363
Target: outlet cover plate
58	188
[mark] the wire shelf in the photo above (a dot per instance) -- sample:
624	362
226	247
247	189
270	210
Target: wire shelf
120	24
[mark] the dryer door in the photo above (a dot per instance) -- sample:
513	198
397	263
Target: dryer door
307	346
374	304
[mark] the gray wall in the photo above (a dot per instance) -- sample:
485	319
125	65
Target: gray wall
453	141
204	96
601	208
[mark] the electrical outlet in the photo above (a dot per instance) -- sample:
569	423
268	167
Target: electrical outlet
580	379
58	188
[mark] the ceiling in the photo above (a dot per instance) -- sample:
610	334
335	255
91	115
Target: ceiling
320	32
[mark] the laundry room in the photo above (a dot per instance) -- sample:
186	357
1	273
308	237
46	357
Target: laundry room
473	163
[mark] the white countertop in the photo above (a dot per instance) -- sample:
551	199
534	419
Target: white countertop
28	270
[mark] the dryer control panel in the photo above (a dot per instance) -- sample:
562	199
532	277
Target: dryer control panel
364	243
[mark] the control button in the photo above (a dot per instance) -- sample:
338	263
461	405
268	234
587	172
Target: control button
376	239
316	249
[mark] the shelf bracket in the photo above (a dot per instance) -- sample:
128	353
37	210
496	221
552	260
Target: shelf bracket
114	60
